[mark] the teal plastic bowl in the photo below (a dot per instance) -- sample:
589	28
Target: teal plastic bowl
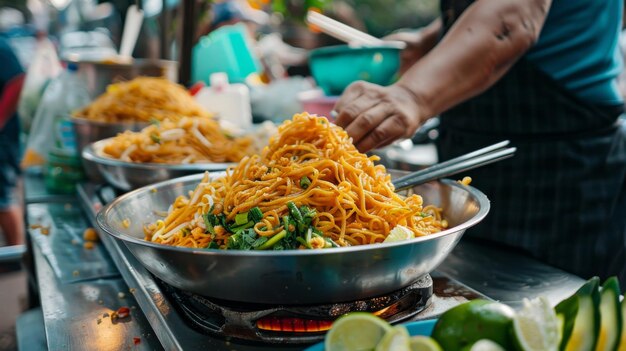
335	67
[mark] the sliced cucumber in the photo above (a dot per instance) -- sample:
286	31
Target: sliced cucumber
581	316
622	343
567	311
610	316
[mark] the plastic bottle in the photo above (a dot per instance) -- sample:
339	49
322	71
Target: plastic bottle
231	102
52	140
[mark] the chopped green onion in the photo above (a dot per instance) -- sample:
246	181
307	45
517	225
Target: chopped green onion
286	222
155	137
331	242
303	242
273	240
255	214
305	182
208	224
241	218
234	241
155	121
238	228
295	213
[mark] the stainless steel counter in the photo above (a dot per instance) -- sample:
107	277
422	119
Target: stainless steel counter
77	307
77	315
507	276
74	313
35	190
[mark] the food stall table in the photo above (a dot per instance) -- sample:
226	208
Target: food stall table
76	310
76	315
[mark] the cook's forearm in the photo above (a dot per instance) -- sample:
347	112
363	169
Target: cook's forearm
479	48
430	34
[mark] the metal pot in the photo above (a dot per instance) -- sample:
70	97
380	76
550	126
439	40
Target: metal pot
99	74
87	132
128	176
290	276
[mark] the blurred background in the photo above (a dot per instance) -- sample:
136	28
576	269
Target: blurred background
265	45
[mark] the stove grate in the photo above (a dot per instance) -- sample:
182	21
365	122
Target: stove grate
291	324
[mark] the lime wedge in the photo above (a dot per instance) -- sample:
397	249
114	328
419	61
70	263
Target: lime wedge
399	233
356	331
465	324
396	339
536	326
485	345
424	343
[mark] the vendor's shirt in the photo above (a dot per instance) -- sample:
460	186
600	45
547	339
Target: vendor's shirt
578	47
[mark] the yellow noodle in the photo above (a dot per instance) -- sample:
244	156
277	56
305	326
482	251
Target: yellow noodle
142	99
353	198
155	144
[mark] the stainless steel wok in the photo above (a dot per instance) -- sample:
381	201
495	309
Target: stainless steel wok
292	276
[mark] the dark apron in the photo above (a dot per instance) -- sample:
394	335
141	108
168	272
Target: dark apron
562	198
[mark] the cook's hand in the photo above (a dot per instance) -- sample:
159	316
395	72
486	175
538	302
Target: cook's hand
375	116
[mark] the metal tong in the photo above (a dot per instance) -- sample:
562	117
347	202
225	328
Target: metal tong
474	159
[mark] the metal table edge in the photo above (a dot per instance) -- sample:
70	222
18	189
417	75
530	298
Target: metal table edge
138	278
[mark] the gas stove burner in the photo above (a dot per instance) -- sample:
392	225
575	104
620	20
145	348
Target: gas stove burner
292	324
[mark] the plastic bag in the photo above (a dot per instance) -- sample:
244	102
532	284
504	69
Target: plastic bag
52	132
44	67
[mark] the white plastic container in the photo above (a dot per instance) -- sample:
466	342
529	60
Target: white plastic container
231	102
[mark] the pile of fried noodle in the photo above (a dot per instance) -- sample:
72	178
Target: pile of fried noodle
143	99
188	140
310	164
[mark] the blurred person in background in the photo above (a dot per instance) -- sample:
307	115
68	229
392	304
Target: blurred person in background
542	74
229	12
11	79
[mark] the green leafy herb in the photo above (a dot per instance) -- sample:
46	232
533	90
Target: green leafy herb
234	242
243	240
259	241
222	220
210	221
155	121
213	245
307	213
